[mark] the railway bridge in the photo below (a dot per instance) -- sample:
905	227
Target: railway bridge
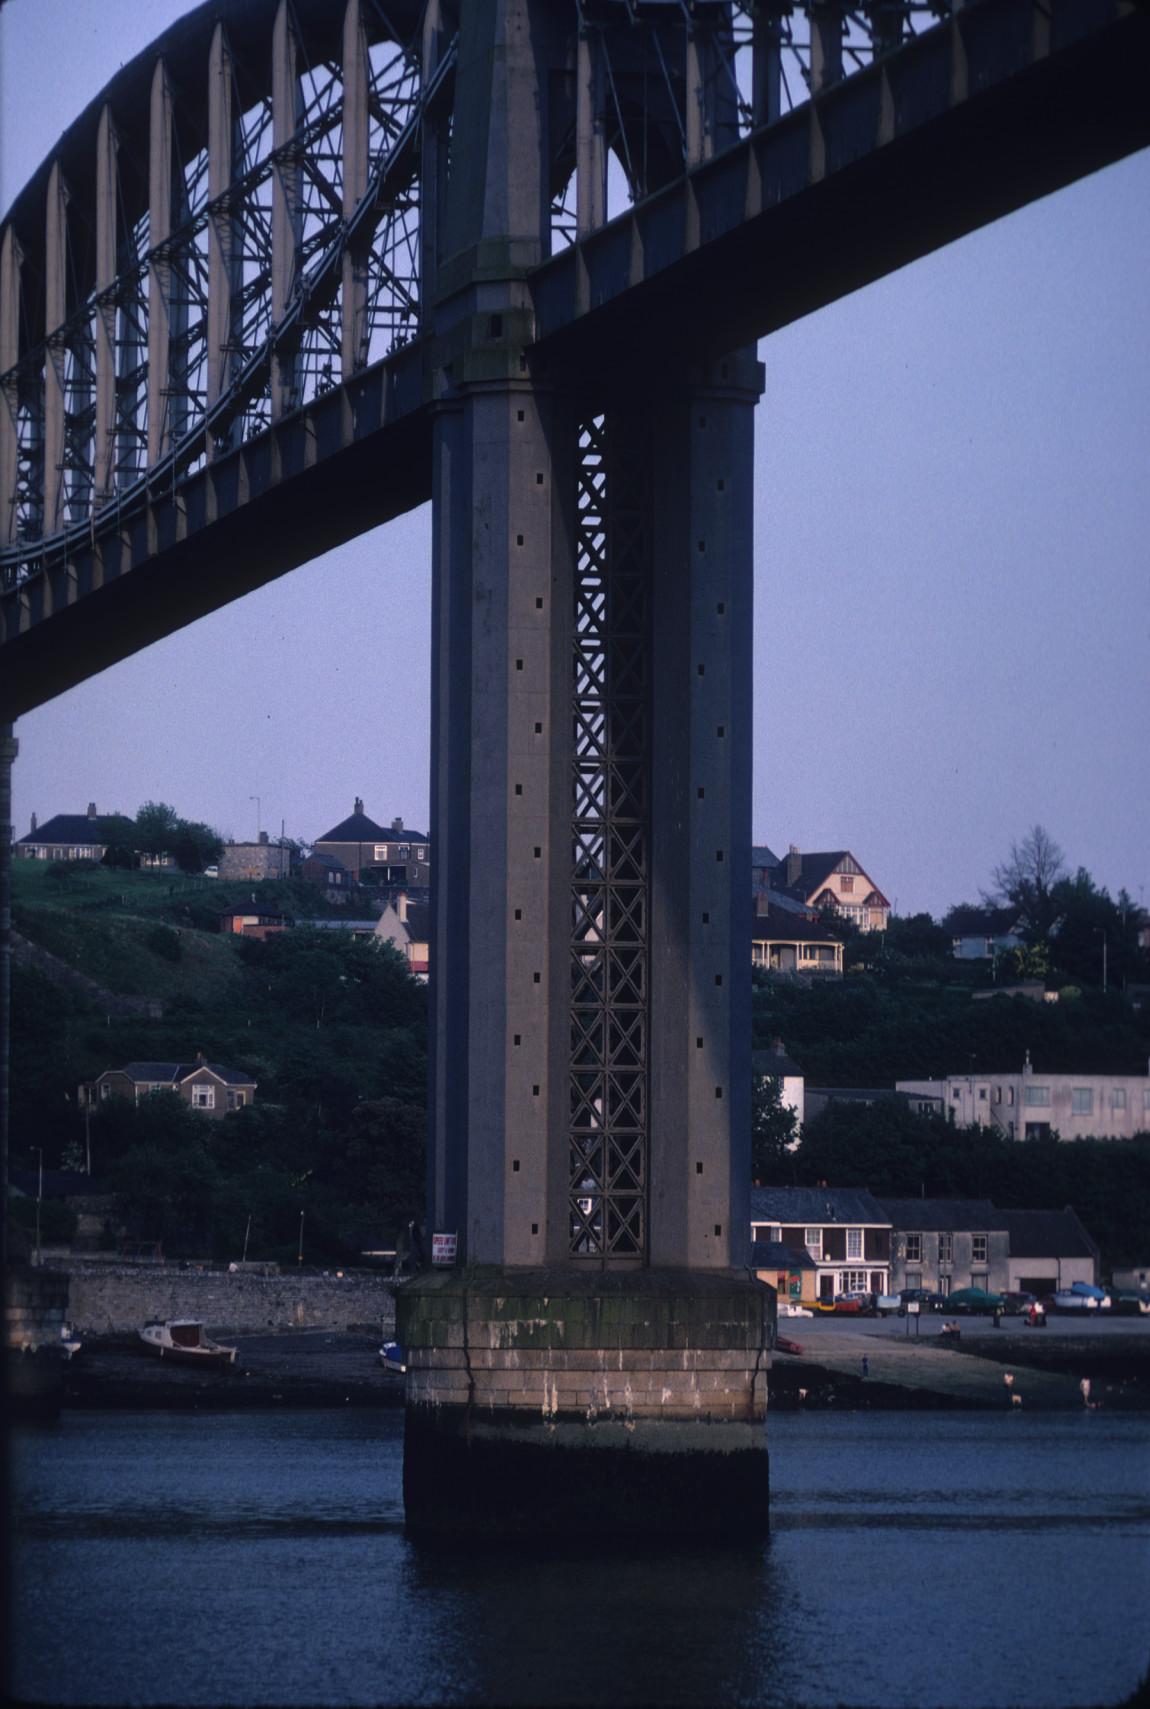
305	264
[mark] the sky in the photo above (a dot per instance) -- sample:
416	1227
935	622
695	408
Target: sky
952	567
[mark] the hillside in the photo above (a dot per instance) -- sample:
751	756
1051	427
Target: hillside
333	1032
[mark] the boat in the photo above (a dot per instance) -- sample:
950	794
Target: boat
70	1342
393	1357
182	1340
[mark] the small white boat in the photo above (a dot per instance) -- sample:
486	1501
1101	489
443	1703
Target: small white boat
183	1341
393	1357
69	1341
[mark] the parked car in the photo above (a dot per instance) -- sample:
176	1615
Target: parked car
1090	1292
860	1305
924	1298
887	1304
1016	1302
1132	1305
791	1308
974	1300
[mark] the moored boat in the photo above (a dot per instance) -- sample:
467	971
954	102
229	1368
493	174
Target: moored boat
182	1340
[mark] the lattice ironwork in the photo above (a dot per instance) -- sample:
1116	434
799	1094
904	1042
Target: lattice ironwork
270	356
610	1014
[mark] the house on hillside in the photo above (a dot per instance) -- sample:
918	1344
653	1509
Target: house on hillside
66	836
828	882
843	1231
947	1244
979	934
373	855
327	874
253	922
206	1086
406	925
252	862
1031	1105
786	940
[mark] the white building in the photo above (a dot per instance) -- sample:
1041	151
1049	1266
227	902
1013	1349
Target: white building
1029	1104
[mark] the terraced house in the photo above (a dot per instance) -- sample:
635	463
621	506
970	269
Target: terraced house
843	1231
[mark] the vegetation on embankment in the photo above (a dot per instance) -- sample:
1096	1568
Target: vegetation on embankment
333	1031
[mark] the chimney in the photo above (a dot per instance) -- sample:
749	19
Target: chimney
358	805
401	905
201	1059
794	865
397	827
91	809
32	832
263	836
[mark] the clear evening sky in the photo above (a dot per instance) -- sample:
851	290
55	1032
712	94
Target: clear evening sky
952	566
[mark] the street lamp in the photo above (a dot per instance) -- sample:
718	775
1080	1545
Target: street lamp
1101	931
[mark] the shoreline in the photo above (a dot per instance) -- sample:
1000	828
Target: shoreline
337	1368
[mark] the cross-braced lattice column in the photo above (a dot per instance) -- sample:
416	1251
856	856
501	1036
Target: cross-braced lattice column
592	819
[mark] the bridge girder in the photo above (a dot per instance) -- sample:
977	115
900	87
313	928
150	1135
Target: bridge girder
161	382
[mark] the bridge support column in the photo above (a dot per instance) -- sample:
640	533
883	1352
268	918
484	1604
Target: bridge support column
600	1344
9	747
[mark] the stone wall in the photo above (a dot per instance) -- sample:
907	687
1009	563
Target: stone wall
110	1299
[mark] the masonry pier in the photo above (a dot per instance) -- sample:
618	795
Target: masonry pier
586	1406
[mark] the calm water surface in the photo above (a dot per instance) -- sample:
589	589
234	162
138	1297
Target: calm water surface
915	1560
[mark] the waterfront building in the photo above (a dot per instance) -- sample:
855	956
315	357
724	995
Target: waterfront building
1032	1105
844	1232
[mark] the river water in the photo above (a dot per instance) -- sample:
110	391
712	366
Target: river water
917	1560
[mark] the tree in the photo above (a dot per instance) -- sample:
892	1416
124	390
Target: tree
1028	877
774	1129
159	830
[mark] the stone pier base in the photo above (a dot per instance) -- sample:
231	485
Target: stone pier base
615	1403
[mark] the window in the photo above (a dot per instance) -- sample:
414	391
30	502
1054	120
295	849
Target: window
1082	1101
846	885
914	1248
978	1248
998	1094
944	1285
1146	1099
105	1090
1010	1094
982	1093
956	1094
1037	1095
813	1241
1118	1098
914	1278
946	1248
236	1100
404	851
854	1242
854	1282
203	1097
380	851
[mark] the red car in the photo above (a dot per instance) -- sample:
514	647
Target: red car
861	1305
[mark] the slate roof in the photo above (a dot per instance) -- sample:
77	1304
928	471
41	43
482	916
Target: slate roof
171	1073
788	928
945	1214
67	828
1047	1234
356	828
816	868
761	855
815	1207
774	1255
